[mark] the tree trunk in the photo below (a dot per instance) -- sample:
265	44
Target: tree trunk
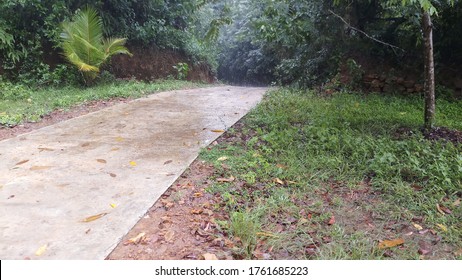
427	29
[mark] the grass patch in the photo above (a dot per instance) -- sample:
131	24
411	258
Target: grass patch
19	103
330	178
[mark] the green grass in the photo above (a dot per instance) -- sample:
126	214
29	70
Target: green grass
19	103
329	146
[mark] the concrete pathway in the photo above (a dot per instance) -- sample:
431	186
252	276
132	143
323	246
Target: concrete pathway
74	189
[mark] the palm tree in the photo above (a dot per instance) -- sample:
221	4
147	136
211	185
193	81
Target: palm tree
84	45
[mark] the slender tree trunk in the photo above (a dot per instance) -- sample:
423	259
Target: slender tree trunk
427	29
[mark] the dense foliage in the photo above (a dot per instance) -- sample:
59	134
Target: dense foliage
307	41
30	31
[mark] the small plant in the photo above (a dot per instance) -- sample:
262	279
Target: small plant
355	72
182	70
84	45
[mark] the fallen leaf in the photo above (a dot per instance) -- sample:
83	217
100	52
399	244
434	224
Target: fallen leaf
390	243
11	196
168	161
456	203
112	175
34	168
198	194
442	227
132	163
119	139
230	179
209	257
41	250
115	149
137	239
439	209
101	160
169	235
197	211
45	149
113	205
22	162
266	234
282	166
424	248
93	218
331	221
218	130
278	181
418	227
222	158
445	209
88	231
85	145
458	253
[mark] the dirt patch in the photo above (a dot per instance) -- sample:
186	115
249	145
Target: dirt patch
446	134
180	225
150	64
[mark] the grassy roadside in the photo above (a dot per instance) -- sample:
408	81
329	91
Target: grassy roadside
334	177
20	103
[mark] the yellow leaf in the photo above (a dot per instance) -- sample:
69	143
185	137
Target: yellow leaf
132	163
230	179
93	218
218	130
34	168
113	205
41	250
135	240
209	257
119	139
278	181
222	158
390	243
439	209
442	227
418	227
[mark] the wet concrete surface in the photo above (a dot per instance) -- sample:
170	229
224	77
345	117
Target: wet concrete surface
74	189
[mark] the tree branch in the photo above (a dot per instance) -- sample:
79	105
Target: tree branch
367	35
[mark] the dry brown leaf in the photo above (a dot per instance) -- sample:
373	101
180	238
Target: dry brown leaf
456	203
209	257
282	166
45	149
94	217
331	221
445	209
390	243
35	168
230	179
168	161
198	194
458	253
115	149
169	235
100	160
22	162
112	175
278	181
41	250
218	130
266	234
197	211
137	239
439	209
85	144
